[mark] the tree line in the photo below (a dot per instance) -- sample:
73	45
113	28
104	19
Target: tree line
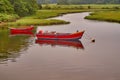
80	1
19	7
28	7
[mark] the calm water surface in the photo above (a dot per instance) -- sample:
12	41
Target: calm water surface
92	61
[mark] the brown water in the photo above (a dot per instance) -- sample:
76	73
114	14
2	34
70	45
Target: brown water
96	61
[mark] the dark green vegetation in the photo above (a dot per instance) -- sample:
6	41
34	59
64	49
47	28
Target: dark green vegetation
80	1
13	9
8	18
25	12
111	16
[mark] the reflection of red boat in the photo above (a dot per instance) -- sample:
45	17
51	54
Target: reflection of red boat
21	29
22	33
69	43
59	36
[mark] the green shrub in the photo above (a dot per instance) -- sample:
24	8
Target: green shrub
6	17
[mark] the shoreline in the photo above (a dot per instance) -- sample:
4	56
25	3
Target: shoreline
108	16
41	18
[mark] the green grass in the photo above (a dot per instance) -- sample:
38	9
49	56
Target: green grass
8	17
41	18
43	14
111	16
81	6
27	22
53	10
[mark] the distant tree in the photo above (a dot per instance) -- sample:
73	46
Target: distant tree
46	1
80	1
20	8
62	2
40	1
33	3
24	7
89	7
12	1
32	6
39	6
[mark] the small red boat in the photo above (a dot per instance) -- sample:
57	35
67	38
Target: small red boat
71	43
60	36
13	33
22	29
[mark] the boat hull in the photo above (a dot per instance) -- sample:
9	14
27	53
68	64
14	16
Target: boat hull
21	29
30	33
61	36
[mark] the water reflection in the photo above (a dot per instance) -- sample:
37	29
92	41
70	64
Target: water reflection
70	43
10	47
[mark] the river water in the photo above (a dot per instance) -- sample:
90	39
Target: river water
58	61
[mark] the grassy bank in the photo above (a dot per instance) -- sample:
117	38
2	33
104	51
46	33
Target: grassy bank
41	18
81	6
35	22
43	14
8	17
111	16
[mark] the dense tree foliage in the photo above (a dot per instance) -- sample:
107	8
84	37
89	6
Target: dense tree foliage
81	1
26	7
20	7
6	7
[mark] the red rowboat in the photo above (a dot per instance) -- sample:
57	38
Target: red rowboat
59	36
22	29
13	33
71	43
